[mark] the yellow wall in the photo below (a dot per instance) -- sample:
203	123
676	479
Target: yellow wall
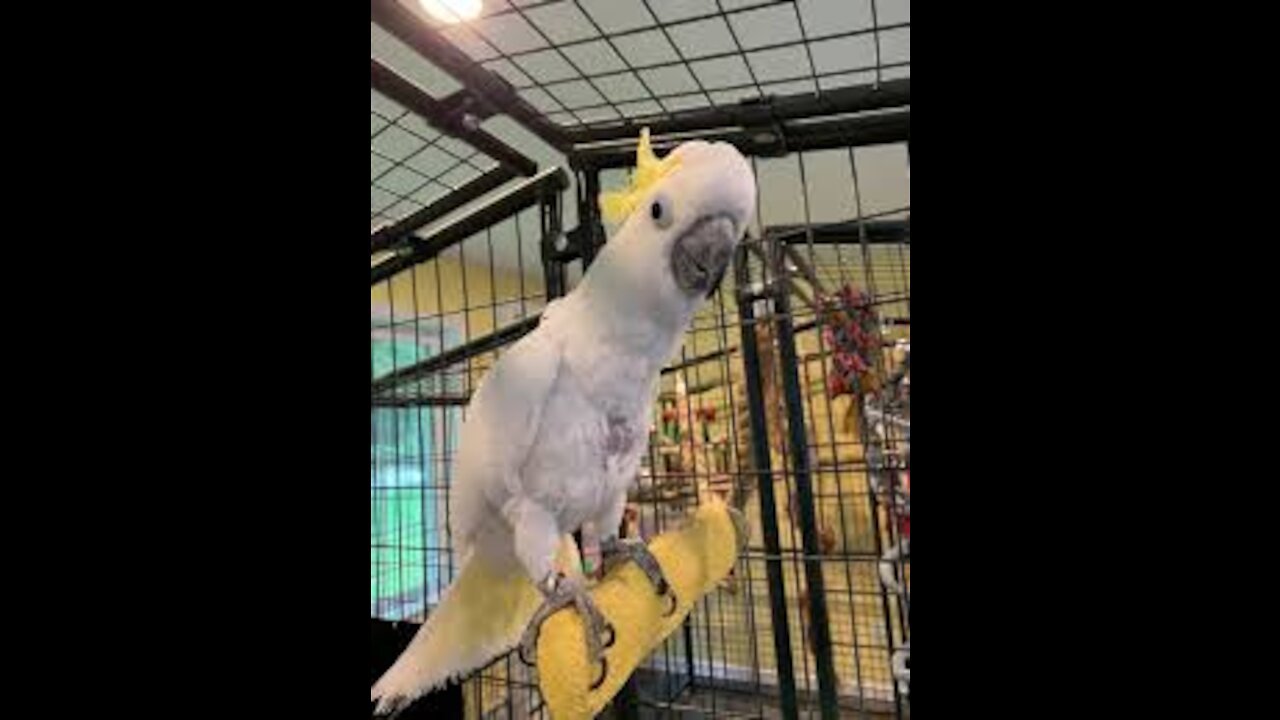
447	287
471	299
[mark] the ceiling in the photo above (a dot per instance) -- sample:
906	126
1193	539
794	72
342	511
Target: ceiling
593	61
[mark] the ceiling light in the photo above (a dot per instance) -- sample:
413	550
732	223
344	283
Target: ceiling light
452	11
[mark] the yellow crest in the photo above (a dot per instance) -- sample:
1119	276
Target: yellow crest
617	206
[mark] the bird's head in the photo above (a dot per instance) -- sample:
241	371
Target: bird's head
679	221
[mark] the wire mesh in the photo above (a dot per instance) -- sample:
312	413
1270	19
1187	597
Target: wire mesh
588	63
440	307
411	164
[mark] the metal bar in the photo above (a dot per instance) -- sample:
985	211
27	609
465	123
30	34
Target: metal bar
414	402
626	704
456	356
699	360
876	232
690	665
806	271
589	216
549	182
386	81
488	87
799	291
762	466
554	259
785	138
387	237
864	98
798	437
864	131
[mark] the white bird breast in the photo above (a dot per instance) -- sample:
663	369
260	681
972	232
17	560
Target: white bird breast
584	458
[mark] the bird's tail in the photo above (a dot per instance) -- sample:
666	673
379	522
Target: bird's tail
480	618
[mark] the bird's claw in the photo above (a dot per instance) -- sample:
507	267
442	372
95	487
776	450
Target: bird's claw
637	552
561	592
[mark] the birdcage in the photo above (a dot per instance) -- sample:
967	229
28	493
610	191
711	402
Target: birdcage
490	139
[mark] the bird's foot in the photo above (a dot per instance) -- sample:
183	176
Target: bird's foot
615	550
560	592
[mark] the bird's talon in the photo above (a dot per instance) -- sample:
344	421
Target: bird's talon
604	673
637	552
523	658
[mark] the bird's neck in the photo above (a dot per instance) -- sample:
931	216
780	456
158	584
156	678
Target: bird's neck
638	328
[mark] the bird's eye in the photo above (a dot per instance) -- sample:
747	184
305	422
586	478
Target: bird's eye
661	212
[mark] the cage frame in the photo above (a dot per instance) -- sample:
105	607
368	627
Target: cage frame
770	127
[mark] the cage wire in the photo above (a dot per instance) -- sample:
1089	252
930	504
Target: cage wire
439	307
411	164
589	63
790	395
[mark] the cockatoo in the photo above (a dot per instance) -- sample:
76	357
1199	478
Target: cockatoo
555	432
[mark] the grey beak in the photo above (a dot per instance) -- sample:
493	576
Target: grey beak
700	257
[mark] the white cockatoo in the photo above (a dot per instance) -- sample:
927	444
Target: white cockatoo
555	432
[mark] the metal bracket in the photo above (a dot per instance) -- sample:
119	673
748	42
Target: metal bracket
465	111
768	136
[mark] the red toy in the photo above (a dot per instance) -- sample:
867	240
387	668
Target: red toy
852	333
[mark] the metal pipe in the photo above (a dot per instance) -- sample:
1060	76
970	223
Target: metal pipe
864	98
877	232
488	87
456	356
798	437
777	141
386	81
549	182
762	465
387	237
